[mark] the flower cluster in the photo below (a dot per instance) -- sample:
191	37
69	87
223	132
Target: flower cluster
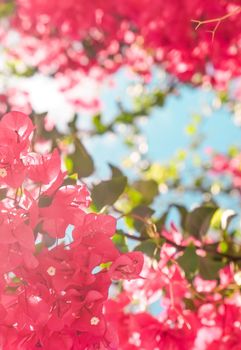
223	164
64	37
166	311
57	259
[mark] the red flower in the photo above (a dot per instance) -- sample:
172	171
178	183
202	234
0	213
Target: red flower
52	297
127	266
43	168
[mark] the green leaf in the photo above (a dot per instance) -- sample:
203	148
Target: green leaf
7	8
189	304
198	221
44	201
70	180
125	118
39	247
160	223
69	164
3	193
223	247
73	124
13	67
209	268
82	163
107	192
222	219
159	98
131	199
148	190
148	247
144	213
227	216
105	265
189	261
48	241
99	126
182	211
120	241
115	171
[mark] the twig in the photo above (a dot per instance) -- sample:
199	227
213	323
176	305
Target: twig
217	20
207	248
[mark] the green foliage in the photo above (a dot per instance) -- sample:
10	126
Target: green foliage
3	193
120	241
198	221
183	212
116	172
150	248
189	261
107	192
206	266
6	8
209	267
148	190
138	219
100	128
80	162
13	66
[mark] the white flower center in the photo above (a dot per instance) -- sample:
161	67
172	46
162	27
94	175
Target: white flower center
51	271
94	321
3	172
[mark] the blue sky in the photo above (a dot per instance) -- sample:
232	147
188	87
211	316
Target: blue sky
165	132
165	129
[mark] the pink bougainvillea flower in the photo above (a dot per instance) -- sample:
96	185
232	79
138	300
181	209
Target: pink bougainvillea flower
52	293
127	266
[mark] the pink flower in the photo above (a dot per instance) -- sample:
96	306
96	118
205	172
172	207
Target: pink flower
127	266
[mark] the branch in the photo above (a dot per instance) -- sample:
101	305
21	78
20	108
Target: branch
207	248
136	238
217	20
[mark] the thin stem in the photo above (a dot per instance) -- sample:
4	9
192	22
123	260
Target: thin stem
218	19
206	248
136	238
